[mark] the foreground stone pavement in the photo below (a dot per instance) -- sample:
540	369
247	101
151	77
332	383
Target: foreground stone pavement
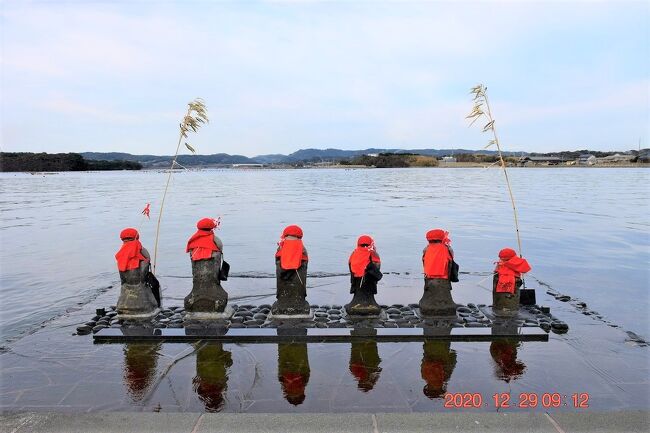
622	421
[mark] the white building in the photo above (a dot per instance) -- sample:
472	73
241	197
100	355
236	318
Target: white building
586	159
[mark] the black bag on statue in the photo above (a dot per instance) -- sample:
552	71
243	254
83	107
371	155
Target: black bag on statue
453	271
153	284
373	272
223	271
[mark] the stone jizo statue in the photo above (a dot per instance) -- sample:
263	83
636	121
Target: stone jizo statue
507	282
206	255
439	270
291	274
137	300
364	264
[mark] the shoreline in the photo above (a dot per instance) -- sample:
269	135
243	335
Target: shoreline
331	167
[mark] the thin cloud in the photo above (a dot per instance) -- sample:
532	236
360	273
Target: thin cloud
280	76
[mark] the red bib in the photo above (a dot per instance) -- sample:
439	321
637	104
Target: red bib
202	245
291	254
129	256
436	261
508	270
359	260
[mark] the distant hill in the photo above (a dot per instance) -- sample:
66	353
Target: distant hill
313	155
274	158
154	161
302	155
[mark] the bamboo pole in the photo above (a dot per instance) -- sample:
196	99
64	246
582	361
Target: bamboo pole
195	116
480	98
162	204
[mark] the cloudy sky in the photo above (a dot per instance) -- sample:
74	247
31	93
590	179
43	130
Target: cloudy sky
276	77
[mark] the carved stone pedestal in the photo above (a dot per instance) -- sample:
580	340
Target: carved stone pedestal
207	295
363	302
136	300
505	304
291	293
436	300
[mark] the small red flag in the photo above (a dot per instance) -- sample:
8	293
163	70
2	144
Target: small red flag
145	211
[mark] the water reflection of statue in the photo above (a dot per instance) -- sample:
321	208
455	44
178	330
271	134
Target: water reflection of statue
438	363
504	354
293	371
140	361
364	364
210	382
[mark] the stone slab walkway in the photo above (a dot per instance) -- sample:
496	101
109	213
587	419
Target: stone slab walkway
562	422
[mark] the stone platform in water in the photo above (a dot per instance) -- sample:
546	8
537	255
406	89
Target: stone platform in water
332	317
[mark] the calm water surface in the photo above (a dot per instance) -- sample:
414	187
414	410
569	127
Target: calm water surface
585	232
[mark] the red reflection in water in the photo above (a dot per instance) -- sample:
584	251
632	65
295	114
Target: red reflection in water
504	354
210	382
438	363
140	360
364	364
293	371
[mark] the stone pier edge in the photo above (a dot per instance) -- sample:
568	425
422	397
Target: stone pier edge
547	422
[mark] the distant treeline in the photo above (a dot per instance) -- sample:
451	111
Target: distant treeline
393	160
24	161
570	155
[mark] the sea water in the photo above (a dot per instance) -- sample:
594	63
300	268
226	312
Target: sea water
585	231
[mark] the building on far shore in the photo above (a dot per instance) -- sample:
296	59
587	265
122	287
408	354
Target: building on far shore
447	160
243	166
586	159
539	160
617	158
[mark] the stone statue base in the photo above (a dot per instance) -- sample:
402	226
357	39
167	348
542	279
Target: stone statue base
436	300
201	315
505	304
207	295
136	300
142	316
381	315
273	316
291	293
363	302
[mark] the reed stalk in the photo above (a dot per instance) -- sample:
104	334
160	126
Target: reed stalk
196	116
481	100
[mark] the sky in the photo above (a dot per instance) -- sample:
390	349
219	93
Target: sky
276	77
